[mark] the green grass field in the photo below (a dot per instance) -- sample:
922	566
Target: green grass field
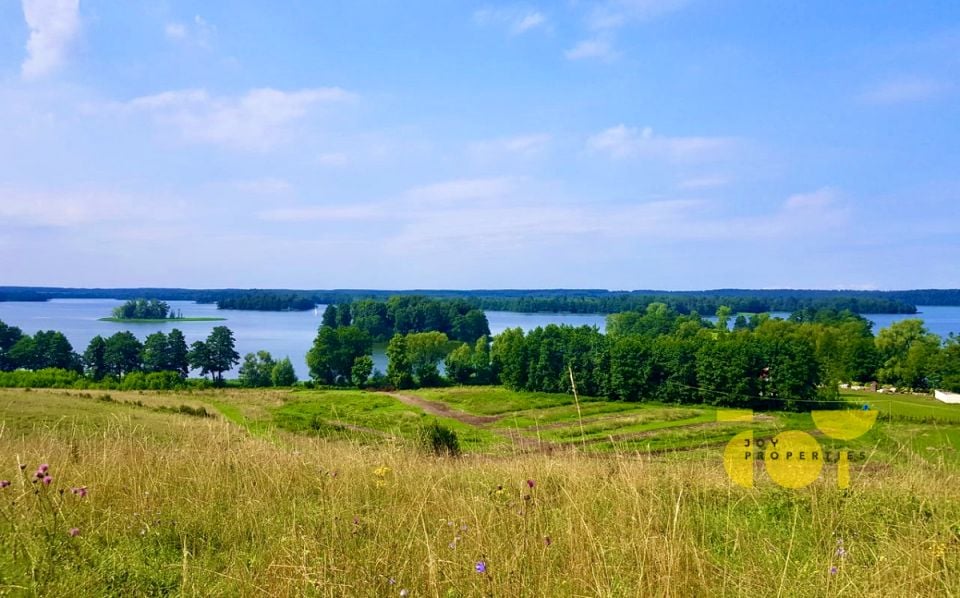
324	493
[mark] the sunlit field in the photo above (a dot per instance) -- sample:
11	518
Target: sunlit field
326	493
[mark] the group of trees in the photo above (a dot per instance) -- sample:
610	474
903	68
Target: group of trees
120	354
341	354
268	302
381	320
143	309
259	369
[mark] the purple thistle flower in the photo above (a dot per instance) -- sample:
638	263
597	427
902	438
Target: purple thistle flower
833	570
43	468
531	483
841	552
47	480
74	532
4	483
81	491
547	541
481	567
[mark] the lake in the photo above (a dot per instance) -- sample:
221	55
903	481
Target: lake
291	333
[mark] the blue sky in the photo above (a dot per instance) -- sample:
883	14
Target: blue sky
623	144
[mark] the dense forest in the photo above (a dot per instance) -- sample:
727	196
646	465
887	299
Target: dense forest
542	300
268	302
380	320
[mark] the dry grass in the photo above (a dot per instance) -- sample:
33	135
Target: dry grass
196	506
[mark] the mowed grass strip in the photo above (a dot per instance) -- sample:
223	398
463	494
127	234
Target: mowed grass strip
353	413
496	400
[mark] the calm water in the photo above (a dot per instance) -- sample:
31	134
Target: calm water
291	333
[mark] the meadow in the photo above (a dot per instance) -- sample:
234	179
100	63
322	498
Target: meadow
325	493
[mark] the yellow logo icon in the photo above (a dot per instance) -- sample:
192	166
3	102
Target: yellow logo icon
793	459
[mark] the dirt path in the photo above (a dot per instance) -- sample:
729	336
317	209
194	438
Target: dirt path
443	410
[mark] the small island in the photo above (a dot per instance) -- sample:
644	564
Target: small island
144	311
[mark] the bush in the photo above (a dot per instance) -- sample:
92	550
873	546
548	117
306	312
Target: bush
45	378
439	440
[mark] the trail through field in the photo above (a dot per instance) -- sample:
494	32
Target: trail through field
443	410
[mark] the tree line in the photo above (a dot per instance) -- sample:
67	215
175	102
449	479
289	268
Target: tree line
268	302
381	320
541	300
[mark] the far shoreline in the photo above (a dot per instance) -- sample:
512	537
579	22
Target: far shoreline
158	320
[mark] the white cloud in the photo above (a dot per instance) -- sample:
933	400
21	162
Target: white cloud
463	190
597	48
622	142
334	159
68	208
54	24
198	31
524	146
332	213
905	90
616	13
175	30
515	20
264	186
258	120
705	182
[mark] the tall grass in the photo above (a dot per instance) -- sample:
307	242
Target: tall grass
196	506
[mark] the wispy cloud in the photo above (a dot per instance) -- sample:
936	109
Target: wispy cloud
622	142
66	208
617	13
515	20
197	31
597	48
906	90
523	146
264	186
258	120
54	24
705	182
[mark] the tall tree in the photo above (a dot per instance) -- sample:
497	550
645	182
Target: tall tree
9	335
122	354
94	358
156	353
399	369
283	373
177	353
221	352
329	316
256	370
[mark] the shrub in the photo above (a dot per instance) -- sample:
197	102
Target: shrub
439	440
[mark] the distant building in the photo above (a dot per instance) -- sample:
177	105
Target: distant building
947	397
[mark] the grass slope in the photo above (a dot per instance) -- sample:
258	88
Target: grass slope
201	506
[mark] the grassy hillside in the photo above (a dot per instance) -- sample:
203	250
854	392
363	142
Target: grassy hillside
322	493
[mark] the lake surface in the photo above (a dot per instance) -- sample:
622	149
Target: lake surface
291	334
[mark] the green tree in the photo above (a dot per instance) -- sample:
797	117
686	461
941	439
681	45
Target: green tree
334	351
256	370
344	317
283	373
426	350
723	317
399	368
361	370
459	364
155	355
482	363
221	352
177	353
906	349
510	358
9	335
23	354
94	358
122	354
199	358
329	316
